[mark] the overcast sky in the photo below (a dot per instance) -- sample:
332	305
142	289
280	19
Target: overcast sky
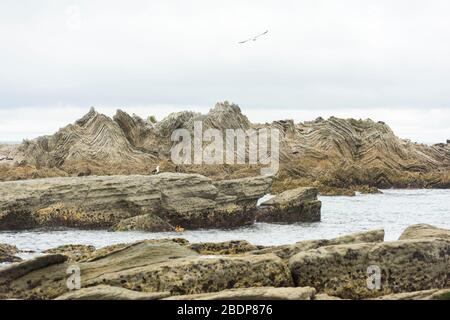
387	60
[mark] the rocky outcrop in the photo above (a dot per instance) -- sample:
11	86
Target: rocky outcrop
262	293
16	271
176	269
341	270
296	205
420	231
151	203
8	253
287	251
102	292
335	155
150	266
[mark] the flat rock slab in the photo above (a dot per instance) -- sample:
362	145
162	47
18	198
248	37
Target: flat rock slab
261	293
103	292
287	251
433	294
136	202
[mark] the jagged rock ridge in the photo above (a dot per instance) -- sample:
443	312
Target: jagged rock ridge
334	152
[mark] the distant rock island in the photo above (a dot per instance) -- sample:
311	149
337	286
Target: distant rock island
338	156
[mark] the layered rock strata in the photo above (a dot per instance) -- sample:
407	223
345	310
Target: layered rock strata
152	203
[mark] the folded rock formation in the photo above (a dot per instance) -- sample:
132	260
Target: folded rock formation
331	153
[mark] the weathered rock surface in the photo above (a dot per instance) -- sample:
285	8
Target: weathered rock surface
296	205
149	266
151	203
416	268
341	270
334	153
8	253
16	271
324	296
227	247
145	222
287	251
76	252
261	293
102	292
433	294
420	231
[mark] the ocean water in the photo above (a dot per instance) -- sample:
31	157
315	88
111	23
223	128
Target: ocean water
394	210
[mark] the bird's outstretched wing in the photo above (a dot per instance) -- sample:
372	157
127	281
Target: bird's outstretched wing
245	41
259	35
254	38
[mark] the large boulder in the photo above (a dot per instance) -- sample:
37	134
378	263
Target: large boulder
261	293
342	270
296	205
139	202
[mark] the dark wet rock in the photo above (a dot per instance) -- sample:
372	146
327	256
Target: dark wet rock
8	253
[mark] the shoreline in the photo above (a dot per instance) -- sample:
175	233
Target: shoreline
340	215
146	267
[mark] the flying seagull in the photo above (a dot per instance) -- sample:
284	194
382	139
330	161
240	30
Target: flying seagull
255	37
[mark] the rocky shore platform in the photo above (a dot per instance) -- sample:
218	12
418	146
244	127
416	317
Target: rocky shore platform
417	266
154	203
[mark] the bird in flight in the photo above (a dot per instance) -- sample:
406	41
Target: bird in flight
255	37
